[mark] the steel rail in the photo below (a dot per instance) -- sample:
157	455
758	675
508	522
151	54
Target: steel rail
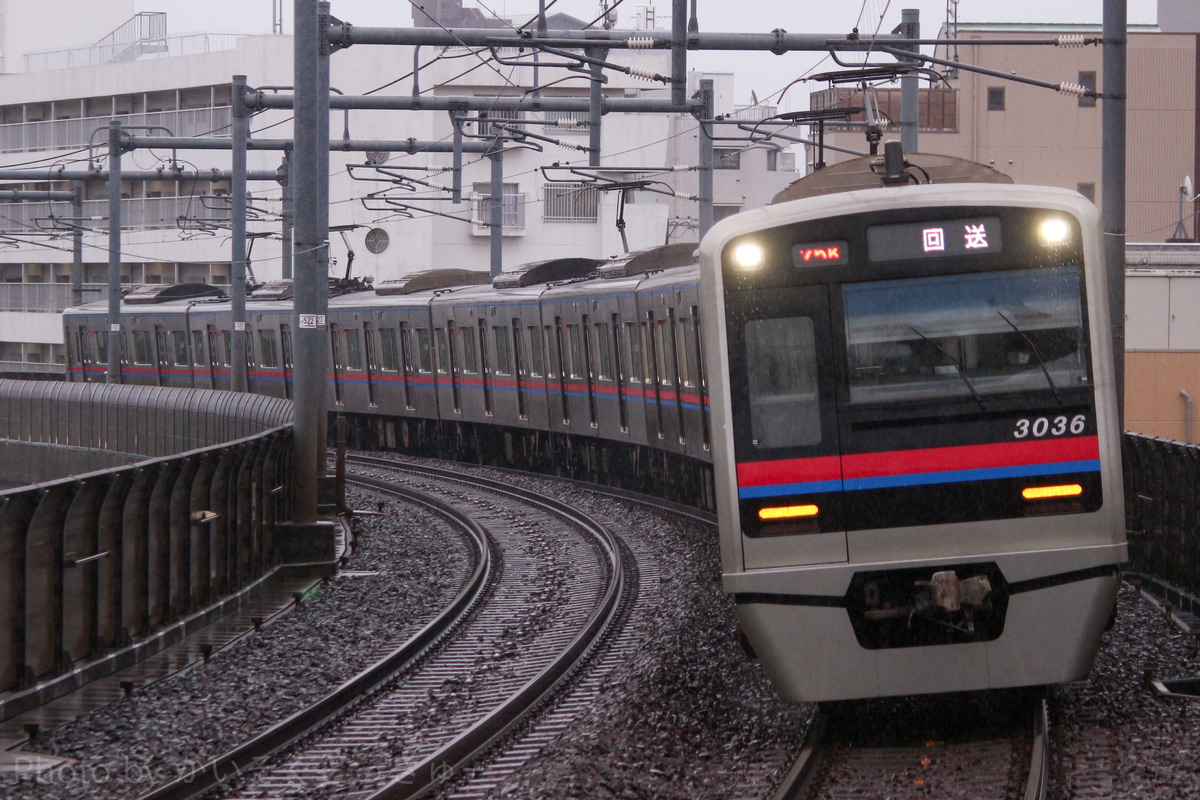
442	764
283	734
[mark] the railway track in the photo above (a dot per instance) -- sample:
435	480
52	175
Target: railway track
547	585
853	754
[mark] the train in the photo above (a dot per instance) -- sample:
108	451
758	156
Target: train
900	402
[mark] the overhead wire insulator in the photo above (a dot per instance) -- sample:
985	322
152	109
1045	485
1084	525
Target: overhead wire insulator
685	196
645	74
1071	40
568	122
1073	89
437	170
682	168
640	43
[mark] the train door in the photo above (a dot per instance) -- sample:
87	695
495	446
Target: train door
785	427
453	359
589	371
338	362
162	355
614	334
485	367
558	365
201	374
697	346
518	369
285	347
372	362
654	375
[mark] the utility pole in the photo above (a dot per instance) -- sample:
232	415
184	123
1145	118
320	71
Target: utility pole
910	85
1112	155
114	251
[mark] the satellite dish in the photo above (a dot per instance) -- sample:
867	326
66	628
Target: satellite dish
1186	190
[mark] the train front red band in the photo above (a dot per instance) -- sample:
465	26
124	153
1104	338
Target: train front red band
758	479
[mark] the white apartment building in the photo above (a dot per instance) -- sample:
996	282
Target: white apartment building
58	93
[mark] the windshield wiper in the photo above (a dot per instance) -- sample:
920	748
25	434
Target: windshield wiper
1037	355
958	367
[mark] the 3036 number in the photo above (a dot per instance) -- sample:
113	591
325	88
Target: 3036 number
1047	426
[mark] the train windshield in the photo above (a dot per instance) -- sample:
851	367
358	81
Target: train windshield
966	335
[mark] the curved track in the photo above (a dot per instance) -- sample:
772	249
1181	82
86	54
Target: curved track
547	586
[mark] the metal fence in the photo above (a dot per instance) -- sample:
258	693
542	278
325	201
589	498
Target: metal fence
98	561
46	297
1162	508
69	134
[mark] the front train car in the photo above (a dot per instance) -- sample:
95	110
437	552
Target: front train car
915	438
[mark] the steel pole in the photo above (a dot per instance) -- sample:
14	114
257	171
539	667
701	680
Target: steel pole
1112	177
114	251
287	215
77	246
707	155
910	86
311	132
237	279
497	207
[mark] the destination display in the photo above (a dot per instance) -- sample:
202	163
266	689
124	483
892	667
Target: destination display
817	254
934	239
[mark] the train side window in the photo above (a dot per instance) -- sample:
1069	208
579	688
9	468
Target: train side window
162	346
388	359
604	369
685	335
354	358
574	366
198	349
467	337
285	344
214	346
554	348
267	350
503	356
101	340
781	358
443	351
141	348
537	362
521	367
227	347
662	353
636	358
180	348
424	351
335	341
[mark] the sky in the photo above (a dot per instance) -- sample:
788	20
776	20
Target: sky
763	73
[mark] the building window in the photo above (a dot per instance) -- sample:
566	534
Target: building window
1088	190
721	212
727	158
772	160
571	202
1088	81
995	98
512	214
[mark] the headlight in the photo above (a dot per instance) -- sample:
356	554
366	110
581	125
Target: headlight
1055	232
748	257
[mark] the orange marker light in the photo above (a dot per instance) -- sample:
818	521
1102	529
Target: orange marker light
787	512
1044	492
